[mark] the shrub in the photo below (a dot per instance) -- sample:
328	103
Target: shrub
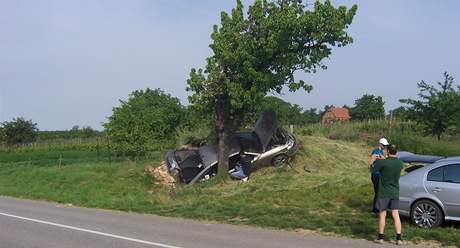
18	131
146	122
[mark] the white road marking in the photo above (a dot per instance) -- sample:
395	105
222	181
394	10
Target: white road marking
91	231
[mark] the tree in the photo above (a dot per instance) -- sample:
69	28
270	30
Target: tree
368	107
19	131
88	132
311	116
399	113
288	113
2	135
258	53
147	121
438	108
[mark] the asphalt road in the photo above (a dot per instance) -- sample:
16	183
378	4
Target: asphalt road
26	223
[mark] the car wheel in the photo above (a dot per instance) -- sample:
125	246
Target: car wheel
279	160
426	214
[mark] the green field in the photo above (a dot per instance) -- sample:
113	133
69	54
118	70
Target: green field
326	189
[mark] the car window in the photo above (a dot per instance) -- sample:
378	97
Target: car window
452	173
436	175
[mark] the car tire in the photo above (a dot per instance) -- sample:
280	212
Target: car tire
426	214
279	160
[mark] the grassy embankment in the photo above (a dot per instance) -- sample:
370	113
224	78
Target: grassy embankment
406	135
327	189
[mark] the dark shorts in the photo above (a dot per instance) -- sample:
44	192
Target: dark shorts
387	204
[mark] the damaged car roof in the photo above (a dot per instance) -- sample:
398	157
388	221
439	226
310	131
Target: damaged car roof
410	157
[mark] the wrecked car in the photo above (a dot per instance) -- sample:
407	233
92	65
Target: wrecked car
430	189
266	144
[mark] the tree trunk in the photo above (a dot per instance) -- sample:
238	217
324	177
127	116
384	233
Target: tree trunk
223	151
223	131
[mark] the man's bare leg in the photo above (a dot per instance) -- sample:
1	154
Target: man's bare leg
395	214
397	220
382	218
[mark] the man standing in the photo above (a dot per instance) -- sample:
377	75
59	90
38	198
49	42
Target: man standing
388	192
376	154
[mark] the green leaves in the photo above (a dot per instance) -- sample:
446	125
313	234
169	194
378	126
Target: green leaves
259	51
18	131
146	122
438	108
368	107
287	113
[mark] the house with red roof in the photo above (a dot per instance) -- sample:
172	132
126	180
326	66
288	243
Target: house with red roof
335	114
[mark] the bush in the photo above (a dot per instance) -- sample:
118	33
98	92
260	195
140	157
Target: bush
19	131
146	122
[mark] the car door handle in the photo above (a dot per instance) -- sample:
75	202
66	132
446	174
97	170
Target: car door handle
436	190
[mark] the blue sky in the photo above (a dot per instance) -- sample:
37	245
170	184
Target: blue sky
65	63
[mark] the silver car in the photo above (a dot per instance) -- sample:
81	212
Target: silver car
430	189
266	144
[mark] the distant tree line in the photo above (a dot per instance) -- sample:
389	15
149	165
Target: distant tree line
74	133
288	113
436	111
152	119
20	131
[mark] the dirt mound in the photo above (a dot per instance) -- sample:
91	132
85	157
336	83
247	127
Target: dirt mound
161	175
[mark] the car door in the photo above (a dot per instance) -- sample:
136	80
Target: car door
444	183
451	189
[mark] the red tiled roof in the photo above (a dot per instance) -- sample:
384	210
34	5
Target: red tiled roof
340	113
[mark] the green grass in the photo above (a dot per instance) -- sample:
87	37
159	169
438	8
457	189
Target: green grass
326	188
101	185
63	155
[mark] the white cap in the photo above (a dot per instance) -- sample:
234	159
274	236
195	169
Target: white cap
383	141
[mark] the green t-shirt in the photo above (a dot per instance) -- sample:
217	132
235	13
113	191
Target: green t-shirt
390	171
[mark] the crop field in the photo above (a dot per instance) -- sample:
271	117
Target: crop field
326	189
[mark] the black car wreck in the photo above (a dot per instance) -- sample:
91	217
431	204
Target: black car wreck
266	144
